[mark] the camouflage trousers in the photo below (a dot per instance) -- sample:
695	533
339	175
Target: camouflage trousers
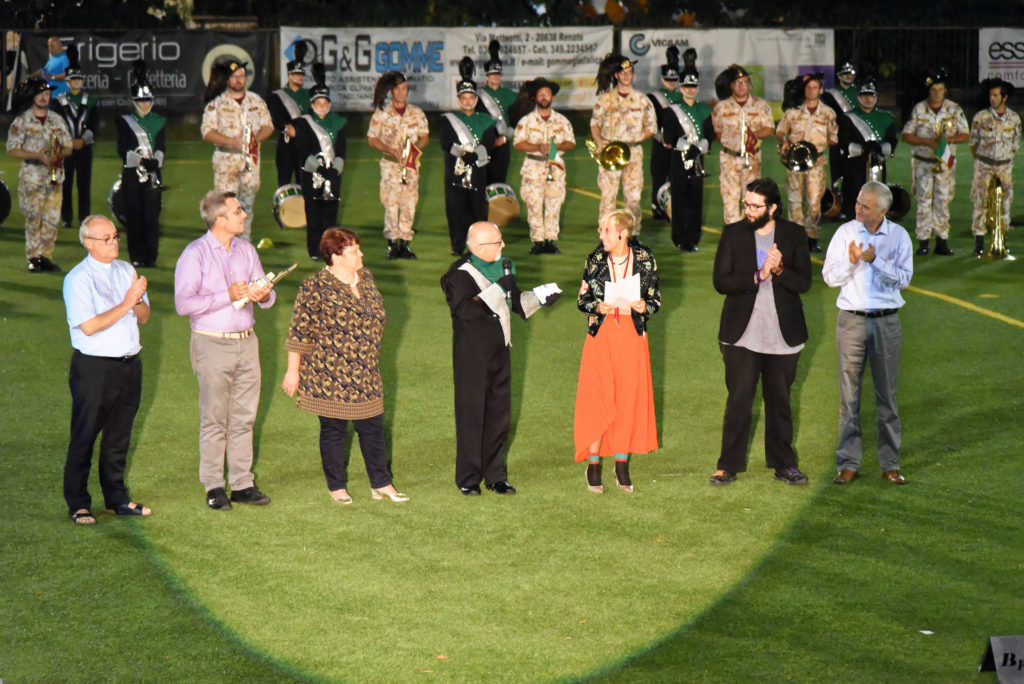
804	190
40	203
399	200
632	177
933	193
229	174
979	185
543	199
733	181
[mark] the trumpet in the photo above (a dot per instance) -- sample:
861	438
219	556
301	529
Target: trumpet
749	144
250	147
55	154
614	156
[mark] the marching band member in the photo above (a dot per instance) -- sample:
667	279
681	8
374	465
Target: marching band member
398	130
79	113
741	120
935	124
688	131
40	139
496	100
236	121
543	135
468	138
623	115
867	136
141	146
320	147
661	100
842	99
286	104
995	139
811	121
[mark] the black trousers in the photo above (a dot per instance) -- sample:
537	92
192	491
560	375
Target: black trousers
855	175
105	397
142	213
334	456
464	208
78	163
836	163
660	162
483	410
687	204
284	160
320	214
497	169
743	368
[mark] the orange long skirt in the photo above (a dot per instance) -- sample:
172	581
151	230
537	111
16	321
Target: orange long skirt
614	396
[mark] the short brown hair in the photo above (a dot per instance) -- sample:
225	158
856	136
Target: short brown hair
334	241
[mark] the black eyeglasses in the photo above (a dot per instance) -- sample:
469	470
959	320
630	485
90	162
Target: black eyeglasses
109	240
748	205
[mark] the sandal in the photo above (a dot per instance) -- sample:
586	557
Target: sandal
83	516
131	508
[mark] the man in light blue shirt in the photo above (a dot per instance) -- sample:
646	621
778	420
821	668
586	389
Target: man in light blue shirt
106	300
54	71
871	260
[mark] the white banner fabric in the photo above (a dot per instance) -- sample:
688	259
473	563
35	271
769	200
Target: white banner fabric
1001	54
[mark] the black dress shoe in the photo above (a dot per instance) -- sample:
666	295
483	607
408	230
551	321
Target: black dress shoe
538	248
979	245
250	495
942	247
503	487
46	265
551	247
392	250
473	490
922	248
688	248
217	499
812	244
403	250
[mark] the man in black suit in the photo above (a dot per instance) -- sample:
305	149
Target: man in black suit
762	266
482	293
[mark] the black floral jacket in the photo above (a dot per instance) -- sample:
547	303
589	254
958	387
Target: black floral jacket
596	274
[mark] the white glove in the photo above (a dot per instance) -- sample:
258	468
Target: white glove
456	150
547	293
886	149
339	165
159	156
856	149
311	164
702	145
682	144
132	159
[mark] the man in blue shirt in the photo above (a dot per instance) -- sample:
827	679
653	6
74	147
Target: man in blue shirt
871	260
55	68
106	300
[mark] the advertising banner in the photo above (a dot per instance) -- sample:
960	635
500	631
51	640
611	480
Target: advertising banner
354	58
177	62
772	56
1001	54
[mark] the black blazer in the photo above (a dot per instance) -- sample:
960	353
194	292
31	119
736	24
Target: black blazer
735	264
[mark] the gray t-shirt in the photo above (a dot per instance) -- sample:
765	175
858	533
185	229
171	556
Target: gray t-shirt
763	334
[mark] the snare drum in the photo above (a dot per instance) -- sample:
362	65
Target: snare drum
900	203
502	205
664	198
5	202
831	204
289	207
115	200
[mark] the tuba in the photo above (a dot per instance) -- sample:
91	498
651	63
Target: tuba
55	152
614	156
994	196
801	156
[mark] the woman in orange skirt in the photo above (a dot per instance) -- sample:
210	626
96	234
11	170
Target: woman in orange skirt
614	397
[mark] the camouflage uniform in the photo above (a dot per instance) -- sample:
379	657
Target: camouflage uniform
399	201
227	117
821	130
630	120
995	140
933	191
38	199
543	198
734	177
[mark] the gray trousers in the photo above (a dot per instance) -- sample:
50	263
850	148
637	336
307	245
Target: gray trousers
876	341
228	372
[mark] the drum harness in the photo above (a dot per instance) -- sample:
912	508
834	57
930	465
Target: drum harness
326	158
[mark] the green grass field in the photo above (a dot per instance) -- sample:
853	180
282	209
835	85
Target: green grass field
677	582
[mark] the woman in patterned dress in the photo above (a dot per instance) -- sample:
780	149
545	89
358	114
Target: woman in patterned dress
333	350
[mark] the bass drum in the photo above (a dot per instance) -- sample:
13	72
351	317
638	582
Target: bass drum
502	205
900	202
5	202
664	198
289	207
115	200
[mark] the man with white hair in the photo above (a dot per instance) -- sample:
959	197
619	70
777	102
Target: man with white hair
482	293
871	260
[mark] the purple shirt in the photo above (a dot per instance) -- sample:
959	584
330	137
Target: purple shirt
202	277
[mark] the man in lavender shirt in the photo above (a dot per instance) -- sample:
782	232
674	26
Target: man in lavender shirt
214	271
